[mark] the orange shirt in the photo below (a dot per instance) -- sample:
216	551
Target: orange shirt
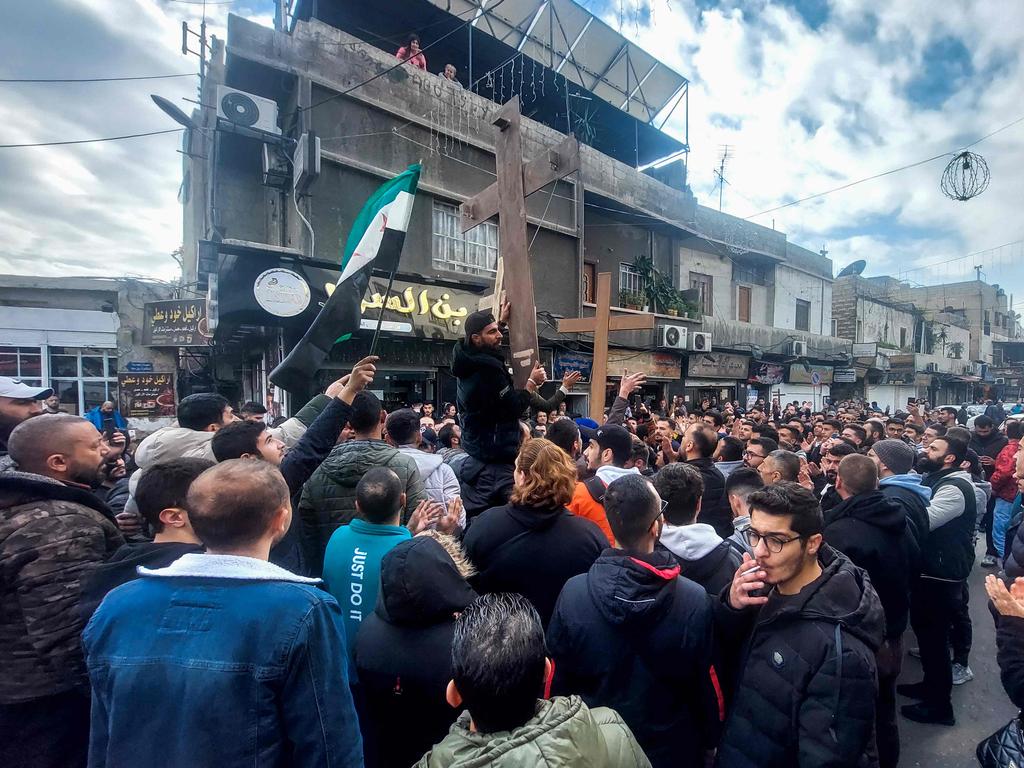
583	505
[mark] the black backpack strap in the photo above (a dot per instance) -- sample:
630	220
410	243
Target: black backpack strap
596	488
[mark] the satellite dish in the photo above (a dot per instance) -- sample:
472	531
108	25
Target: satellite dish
853	269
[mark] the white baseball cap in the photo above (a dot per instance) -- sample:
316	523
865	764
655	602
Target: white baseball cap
19	390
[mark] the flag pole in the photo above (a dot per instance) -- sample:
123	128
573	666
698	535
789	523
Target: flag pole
387	292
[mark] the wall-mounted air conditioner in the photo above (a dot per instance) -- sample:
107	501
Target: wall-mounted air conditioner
672	336
700	342
246	110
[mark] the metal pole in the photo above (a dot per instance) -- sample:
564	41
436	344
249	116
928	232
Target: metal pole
380	317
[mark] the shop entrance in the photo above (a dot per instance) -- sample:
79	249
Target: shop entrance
400	389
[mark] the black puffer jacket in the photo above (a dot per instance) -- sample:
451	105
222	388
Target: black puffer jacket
1010	655
632	635
872	531
489	404
714	509
807	692
403	652
532	551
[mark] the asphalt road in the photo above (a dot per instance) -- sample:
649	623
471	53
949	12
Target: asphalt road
981	706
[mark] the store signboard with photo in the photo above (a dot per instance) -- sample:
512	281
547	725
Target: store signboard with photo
176	323
146	395
765	374
816	375
717	365
663	366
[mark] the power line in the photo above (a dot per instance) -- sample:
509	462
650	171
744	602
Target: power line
93	79
90	141
884	173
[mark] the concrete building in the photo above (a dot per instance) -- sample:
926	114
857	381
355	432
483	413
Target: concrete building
330	68
82	336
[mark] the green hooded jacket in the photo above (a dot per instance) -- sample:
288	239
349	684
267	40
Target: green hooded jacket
564	733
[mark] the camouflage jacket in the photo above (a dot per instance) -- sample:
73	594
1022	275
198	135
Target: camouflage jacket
51	536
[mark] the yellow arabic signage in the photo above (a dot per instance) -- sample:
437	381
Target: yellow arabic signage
176	323
431	311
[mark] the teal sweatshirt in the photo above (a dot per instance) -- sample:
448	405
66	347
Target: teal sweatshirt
352	569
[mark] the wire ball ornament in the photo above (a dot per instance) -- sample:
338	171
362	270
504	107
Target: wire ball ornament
965	177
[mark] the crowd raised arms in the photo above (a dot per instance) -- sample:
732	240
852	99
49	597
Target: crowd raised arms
496	581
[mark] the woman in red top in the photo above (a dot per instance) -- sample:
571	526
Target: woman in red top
1004	485
411	52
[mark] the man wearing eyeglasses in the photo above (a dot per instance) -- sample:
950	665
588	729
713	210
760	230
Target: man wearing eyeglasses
757	451
806	694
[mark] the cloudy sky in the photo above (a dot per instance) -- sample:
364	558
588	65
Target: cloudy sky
809	95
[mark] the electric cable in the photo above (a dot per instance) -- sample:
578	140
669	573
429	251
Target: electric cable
93	79
90	141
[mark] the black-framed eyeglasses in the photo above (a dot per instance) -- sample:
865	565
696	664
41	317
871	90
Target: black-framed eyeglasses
752	455
664	506
772	542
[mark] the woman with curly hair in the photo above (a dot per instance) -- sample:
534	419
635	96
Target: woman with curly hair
533	544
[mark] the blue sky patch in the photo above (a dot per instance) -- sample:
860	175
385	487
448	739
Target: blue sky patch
945	65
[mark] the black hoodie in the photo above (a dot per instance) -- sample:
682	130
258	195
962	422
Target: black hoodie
532	551
489	404
404	652
871	529
807	693
122	568
632	635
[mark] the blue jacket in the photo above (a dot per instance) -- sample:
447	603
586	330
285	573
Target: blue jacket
96	417
245	661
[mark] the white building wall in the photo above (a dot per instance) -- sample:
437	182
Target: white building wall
881	323
720	270
792	284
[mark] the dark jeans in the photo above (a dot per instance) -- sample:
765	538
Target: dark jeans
887	732
986	525
484	485
932	608
52	732
961	633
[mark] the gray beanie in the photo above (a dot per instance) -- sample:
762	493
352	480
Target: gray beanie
897	456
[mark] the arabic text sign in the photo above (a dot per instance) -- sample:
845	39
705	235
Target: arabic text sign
146	395
844	375
432	311
717	365
572	361
176	323
765	373
656	365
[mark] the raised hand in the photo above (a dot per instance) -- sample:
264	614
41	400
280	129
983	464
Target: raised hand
569	378
505	312
1009	602
426	513
748	577
538	375
630	383
449	521
355	382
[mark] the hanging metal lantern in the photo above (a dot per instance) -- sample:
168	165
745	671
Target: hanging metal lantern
965	177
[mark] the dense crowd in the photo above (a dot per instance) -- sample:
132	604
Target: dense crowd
499	582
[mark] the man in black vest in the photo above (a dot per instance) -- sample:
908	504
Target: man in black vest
946	561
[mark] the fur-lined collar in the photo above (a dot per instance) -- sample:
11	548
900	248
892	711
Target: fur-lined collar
205	566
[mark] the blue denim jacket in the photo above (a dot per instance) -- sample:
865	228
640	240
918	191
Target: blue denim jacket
220	661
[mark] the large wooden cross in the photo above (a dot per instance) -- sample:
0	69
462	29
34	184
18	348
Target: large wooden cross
600	325
506	198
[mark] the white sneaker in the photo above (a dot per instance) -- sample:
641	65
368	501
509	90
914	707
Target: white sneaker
962	674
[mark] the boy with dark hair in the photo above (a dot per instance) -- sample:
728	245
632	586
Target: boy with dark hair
631	635
806	694
705	557
738	487
161	498
246	644
499	667
252	411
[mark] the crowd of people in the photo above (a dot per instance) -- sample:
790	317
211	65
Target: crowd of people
497	583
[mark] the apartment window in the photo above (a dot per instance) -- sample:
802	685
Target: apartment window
25	363
803	315
750	273
589	282
835	327
705	287
743	304
630	279
903	338
83	378
472	253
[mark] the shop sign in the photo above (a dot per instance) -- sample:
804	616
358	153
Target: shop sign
572	361
718	365
765	373
176	323
656	365
281	292
139	367
815	375
427	311
146	395
867	349
844	375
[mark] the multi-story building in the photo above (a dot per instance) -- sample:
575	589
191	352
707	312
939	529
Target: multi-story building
759	319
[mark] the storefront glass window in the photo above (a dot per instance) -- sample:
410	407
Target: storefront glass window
83	378
474	253
22	362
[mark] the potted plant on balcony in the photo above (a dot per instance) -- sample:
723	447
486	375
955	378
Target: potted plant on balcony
630	300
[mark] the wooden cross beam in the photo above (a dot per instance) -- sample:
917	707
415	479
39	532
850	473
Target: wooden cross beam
506	198
600	325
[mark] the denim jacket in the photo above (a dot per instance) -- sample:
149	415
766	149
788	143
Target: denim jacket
221	661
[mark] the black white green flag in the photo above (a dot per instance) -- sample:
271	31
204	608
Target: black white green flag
375	241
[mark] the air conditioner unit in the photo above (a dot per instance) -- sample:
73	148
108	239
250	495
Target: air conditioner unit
244	110
931	367
796	348
672	336
700	342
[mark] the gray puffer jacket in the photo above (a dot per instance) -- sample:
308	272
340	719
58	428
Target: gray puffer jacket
439	480
329	497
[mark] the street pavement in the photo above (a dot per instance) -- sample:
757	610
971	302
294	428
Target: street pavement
981	706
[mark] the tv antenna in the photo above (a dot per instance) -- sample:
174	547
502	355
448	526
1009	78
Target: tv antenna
720	173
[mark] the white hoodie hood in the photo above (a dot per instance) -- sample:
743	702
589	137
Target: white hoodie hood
426	463
611	473
690	542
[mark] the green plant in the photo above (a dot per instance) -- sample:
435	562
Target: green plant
956	350
630	299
